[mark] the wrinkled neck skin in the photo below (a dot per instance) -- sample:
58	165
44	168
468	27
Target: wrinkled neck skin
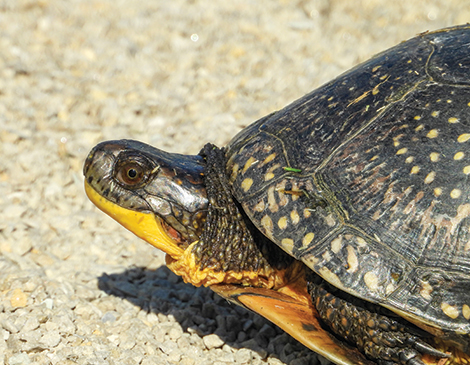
230	249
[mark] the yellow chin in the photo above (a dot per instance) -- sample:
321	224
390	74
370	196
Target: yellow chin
143	224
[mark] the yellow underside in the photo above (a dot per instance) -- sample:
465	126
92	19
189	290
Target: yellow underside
143	224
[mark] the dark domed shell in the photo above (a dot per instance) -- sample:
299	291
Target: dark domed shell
366	180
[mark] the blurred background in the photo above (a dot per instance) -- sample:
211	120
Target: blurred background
75	287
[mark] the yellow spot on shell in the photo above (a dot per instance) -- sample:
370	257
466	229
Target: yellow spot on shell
409	159
259	207
268	176
287	244
455	193
418	117
430	177
434	156
418	128
268	159
435	113
267	224
466	311
337	244
426	290
294	216
250	162
390	288
371	280
361	241
330	276
307	213
433	133
352	260
466	170
308	238
450	310
282	223
453	120
437	191
459	156
414	170
401	151
374	158
463	137
246	184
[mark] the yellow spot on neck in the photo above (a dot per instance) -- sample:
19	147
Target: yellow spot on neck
466	170
437	191
409	159
453	120
435	113
402	151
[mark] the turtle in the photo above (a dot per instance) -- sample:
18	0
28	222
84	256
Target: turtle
343	218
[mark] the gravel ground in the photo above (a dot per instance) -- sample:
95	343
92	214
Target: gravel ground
76	288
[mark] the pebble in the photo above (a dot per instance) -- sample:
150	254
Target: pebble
212	342
18	298
19	359
79	288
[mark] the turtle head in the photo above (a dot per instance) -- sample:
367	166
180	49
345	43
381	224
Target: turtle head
183	205
157	195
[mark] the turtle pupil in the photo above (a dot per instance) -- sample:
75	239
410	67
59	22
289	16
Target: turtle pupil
132	173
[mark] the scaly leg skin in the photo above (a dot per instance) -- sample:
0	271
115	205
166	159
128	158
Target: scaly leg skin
379	337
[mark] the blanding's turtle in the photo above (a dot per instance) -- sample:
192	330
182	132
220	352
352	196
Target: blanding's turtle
344	218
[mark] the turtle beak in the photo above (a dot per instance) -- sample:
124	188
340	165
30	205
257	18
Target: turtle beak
143	224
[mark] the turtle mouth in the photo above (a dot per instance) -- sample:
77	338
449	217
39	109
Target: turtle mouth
144	224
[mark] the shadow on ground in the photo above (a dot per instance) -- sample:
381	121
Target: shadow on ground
202	311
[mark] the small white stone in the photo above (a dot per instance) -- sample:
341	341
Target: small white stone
212	341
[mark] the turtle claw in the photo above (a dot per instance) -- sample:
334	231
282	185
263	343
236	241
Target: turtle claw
426	348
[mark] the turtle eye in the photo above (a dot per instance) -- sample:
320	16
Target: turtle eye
131	174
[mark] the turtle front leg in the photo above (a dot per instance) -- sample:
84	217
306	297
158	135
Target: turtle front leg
378	336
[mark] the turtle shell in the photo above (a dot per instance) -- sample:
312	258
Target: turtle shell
366	180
